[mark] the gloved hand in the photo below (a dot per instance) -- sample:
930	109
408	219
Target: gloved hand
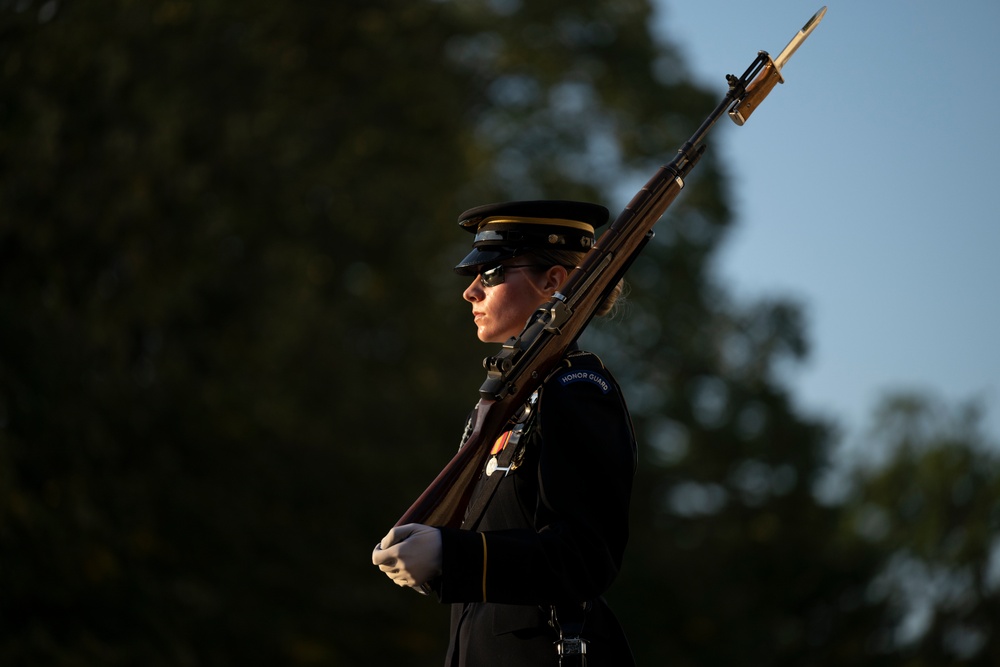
410	554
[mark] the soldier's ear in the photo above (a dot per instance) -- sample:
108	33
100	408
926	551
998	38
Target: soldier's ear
555	276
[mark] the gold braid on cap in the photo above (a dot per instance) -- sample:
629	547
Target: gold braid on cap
559	222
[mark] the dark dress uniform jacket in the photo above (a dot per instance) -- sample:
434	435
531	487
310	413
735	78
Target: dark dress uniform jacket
554	531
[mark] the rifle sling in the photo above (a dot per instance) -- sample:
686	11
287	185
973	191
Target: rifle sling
488	484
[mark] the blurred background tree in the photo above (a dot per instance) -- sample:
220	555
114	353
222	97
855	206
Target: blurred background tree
232	350
926	496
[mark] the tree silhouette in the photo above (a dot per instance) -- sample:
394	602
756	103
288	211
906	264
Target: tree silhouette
929	503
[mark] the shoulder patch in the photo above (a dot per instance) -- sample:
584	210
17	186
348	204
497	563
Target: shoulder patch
584	375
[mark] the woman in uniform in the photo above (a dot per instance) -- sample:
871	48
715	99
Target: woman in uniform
526	580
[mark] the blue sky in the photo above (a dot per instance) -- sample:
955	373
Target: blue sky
865	189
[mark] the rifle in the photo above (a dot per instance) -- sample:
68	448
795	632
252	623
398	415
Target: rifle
524	361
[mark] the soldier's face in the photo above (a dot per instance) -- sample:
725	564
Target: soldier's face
502	310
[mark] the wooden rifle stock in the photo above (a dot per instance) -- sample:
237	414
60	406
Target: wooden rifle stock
525	361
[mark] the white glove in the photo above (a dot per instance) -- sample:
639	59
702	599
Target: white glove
410	555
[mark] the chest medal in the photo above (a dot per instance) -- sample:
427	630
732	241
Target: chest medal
511	437
498	447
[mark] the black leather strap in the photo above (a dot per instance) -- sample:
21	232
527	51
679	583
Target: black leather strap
489	483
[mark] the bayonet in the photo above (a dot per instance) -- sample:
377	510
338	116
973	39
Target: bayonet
770	72
793	45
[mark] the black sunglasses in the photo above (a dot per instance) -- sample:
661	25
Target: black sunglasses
495	276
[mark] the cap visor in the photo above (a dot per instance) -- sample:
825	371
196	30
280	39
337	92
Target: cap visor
480	256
